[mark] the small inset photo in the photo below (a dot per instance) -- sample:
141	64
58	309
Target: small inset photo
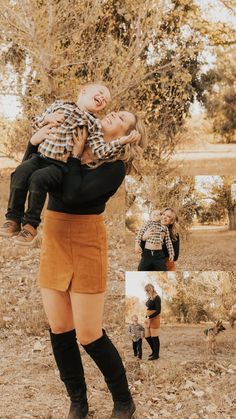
180	343
180	223
180	317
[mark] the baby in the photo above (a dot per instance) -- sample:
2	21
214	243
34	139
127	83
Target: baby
136	331
44	171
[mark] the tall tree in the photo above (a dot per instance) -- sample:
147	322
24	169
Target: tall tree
141	49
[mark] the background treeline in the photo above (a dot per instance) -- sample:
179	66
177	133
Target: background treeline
151	53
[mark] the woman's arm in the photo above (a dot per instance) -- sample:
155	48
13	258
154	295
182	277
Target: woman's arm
96	183
30	149
157	307
176	246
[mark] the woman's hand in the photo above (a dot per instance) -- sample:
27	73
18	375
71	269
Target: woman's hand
80	139
133	137
171	258
55	118
42	134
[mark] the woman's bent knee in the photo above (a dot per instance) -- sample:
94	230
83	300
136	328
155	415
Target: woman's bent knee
88	336
57	327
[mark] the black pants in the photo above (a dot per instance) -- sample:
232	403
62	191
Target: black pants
137	347
37	176
152	260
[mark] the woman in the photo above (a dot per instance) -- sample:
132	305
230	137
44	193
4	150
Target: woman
73	269
168	218
152	322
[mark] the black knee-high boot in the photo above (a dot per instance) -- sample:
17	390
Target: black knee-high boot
151	344
156	350
108	360
69	363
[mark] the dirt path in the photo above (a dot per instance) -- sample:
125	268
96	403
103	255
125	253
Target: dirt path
211	250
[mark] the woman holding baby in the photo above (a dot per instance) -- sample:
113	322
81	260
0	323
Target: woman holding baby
73	266
158	240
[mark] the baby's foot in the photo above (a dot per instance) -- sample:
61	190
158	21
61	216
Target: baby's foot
9	229
27	236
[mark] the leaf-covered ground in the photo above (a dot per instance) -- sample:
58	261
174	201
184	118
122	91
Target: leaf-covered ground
187	381
184	383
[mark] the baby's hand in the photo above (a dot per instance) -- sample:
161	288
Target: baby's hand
133	137
42	134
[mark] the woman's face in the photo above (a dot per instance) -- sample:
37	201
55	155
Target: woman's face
167	217
117	124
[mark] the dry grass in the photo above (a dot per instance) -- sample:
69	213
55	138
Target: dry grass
201	251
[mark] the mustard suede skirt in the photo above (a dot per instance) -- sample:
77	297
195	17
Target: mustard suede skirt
74	253
155	324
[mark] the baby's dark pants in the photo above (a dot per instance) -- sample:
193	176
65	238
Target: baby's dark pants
38	175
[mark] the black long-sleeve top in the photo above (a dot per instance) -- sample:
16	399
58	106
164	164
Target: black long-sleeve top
90	196
176	246
154	305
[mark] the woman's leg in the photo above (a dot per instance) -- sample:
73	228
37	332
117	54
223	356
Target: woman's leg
146	263
149	341
156	343
88	313
159	261
57	306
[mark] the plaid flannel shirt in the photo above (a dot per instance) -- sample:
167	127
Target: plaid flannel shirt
60	144
158	236
137	330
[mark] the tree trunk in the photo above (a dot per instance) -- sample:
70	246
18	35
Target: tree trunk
232	219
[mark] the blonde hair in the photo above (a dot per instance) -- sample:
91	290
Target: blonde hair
174	226
150	290
130	154
92	83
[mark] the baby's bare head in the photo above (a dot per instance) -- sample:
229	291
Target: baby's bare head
93	97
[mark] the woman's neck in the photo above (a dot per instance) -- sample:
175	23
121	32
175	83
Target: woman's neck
106	136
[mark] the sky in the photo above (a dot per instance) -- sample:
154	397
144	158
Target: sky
10	106
136	281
